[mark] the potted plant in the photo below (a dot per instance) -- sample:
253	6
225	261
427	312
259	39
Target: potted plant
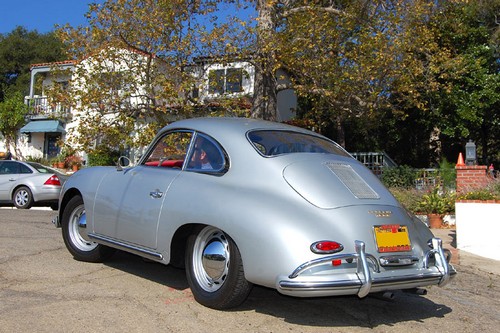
58	162
74	162
436	204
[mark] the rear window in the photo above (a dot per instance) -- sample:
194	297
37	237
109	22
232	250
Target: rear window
272	143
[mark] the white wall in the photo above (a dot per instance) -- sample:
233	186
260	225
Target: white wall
478	228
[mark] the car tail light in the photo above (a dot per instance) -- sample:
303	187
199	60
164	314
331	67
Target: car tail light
326	247
53	180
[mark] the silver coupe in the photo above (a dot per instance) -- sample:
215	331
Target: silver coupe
239	202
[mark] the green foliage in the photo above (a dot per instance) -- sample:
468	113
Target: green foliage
437	202
401	176
12	111
408	197
447	174
490	192
20	49
103	156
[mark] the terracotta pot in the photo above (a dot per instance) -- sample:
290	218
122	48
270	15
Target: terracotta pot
435	221
74	167
60	165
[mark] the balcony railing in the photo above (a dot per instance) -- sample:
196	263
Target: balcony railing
39	107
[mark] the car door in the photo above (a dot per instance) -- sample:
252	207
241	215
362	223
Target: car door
9	173
139	193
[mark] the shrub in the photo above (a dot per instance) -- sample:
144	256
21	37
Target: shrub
408	197
402	176
448	174
103	156
490	192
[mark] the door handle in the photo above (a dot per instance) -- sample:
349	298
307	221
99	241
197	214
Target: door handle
156	194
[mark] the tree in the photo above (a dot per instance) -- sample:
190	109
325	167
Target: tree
136	66
348	58
20	49
468	107
12	111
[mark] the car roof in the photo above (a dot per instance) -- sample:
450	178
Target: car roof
223	126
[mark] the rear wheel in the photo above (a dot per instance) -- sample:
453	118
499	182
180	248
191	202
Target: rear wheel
214	269
23	198
74	231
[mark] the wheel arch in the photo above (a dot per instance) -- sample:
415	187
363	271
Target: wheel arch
68	195
179	241
14	189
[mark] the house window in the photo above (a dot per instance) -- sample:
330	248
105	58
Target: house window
225	81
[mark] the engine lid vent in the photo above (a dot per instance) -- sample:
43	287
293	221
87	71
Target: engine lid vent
358	187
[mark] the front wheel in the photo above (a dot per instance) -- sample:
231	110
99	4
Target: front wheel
214	269
74	232
23	198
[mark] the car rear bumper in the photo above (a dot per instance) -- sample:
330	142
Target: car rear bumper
432	269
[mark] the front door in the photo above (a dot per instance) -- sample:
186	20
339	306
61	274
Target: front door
51	149
129	203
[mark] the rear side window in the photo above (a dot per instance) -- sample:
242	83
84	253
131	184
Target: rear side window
24	169
273	142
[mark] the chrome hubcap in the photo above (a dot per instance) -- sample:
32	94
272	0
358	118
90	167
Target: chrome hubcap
211	259
78	230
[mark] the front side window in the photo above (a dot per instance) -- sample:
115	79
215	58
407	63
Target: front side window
189	151
274	142
8	167
170	150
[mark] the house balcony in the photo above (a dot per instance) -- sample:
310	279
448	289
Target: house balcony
40	108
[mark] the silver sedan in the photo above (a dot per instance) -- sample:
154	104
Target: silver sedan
25	184
239	202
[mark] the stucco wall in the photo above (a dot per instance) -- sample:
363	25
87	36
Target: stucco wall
478	227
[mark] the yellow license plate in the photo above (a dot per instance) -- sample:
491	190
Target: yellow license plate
392	238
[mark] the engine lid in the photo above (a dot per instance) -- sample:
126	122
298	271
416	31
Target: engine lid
331	184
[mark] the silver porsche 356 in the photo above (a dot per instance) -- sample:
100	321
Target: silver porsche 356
239	202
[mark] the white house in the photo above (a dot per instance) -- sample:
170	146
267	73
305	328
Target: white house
48	124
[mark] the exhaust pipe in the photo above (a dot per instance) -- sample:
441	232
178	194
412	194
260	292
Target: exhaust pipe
386	295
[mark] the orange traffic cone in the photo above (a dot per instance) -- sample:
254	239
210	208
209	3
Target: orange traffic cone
460	161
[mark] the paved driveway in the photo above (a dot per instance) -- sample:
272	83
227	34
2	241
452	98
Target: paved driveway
42	289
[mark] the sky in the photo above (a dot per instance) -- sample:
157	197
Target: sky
41	15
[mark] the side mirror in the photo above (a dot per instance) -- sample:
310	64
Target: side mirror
123	162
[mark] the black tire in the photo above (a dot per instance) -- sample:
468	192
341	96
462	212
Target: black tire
23	198
214	269
75	237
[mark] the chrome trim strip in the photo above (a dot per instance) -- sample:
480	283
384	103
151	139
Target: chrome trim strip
140	251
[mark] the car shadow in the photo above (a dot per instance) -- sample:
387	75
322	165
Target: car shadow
340	311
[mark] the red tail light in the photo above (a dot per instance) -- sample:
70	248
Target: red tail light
326	247
53	180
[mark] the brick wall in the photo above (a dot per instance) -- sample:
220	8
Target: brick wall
470	177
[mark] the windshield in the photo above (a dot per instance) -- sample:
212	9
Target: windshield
273	142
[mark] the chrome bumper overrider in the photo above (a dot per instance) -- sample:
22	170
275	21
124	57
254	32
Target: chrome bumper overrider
368	277
56	221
